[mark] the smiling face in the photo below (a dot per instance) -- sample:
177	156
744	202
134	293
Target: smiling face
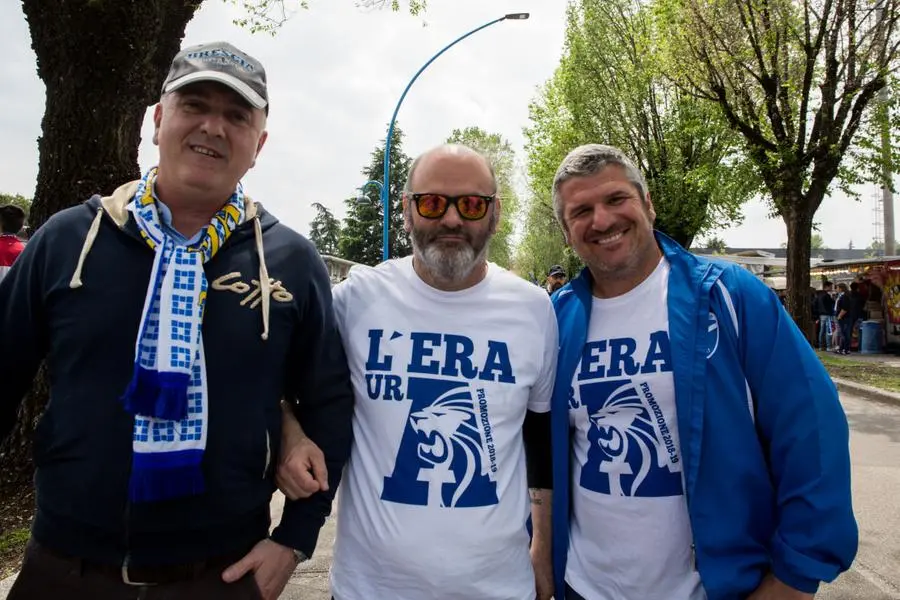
610	227
208	138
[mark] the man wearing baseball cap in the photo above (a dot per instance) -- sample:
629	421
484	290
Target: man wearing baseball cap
556	278
174	316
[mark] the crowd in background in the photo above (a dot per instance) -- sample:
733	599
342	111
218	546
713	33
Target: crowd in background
838	312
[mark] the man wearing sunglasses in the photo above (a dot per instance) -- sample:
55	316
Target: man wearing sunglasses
556	278
699	437
451	357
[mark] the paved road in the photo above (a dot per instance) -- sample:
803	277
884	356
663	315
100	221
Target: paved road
875	449
875	575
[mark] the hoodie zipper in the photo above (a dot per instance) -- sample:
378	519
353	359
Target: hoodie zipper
268	454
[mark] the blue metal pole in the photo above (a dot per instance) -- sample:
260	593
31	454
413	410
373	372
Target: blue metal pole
386	187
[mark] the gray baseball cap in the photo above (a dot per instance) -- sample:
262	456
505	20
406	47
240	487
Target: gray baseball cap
221	62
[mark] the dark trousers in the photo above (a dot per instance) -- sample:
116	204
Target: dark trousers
846	333
47	575
572	594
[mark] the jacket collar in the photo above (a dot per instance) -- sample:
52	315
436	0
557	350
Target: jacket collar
114	204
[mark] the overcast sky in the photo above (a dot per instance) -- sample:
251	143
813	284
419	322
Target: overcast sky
335	73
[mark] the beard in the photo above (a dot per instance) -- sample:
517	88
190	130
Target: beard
450	263
555	285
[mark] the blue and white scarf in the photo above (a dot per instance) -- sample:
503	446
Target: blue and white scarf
168	394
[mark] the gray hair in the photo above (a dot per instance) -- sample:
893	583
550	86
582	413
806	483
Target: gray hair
588	160
449	149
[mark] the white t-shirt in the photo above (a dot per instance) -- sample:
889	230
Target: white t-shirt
434	498
630	536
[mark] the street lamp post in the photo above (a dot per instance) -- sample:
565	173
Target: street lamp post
361	196
385	185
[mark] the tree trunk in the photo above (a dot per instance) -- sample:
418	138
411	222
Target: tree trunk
103	63
799	228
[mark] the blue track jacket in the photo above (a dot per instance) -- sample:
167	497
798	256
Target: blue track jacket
763	434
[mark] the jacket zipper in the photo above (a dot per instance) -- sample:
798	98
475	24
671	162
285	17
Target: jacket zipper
268	454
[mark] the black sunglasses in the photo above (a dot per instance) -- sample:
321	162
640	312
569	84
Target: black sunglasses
470	207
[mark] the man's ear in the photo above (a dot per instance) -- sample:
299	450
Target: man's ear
407	216
259	146
650	210
498	214
157	120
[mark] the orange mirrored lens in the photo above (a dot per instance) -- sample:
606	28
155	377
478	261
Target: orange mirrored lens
471	207
432	205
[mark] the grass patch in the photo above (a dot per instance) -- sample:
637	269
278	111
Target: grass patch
12	546
875	374
14	540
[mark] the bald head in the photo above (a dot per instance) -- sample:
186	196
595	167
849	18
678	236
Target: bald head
450	251
452	160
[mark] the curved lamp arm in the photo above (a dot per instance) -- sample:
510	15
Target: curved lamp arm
385	189
362	189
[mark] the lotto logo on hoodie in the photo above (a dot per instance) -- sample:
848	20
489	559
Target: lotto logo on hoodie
631	448
446	457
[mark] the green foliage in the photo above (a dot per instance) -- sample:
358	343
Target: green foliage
18	200
611	88
876	249
14	539
797	81
543	244
875	151
361	236
715	243
267	16
503	159
325	230
415	7
818	242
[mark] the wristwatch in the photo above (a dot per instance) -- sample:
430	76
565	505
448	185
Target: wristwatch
299	556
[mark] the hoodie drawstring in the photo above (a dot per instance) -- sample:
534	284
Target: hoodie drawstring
76	282
264	284
264	287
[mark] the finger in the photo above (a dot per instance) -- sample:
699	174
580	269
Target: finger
260	585
320	471
286	487
307	483
239	569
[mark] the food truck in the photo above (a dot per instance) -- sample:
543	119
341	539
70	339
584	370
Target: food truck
884	273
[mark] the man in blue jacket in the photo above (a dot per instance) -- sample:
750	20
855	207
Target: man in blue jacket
174	316
699	447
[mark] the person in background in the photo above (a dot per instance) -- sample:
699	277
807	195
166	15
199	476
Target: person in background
824	306
556	278
845	317
858	302
12	219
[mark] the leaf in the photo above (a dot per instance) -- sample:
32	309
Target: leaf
503	159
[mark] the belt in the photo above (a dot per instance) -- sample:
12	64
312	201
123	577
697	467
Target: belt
147	575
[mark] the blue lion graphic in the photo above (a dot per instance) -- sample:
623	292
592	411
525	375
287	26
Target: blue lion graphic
441	460
626	457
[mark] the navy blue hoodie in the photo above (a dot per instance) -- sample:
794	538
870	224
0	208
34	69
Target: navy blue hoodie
75	298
